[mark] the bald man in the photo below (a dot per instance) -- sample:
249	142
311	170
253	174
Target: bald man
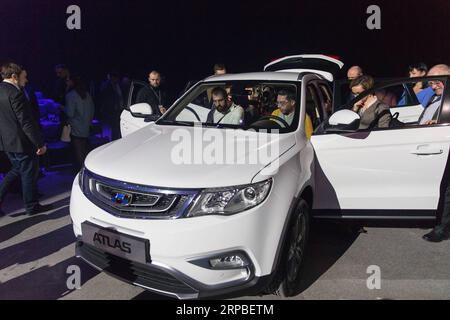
354	72
153	95
441	231
430	114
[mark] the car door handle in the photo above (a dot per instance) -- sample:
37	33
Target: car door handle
424	150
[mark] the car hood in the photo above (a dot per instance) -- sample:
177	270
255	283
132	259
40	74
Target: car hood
151	156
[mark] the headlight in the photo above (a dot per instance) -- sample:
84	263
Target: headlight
81	178
228	201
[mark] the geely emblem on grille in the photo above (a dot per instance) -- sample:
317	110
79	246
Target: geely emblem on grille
121	198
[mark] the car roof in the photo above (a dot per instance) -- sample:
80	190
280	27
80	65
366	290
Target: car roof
267	75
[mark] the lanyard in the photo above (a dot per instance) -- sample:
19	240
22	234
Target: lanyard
158	95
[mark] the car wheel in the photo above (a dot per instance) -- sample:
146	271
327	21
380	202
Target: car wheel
294	253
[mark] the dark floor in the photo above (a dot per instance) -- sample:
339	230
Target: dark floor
36	252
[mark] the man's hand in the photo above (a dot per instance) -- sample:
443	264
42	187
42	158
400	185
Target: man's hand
41	151
430	122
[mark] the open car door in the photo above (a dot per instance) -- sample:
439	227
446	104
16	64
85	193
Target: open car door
398	94
326	66
136	114
384	173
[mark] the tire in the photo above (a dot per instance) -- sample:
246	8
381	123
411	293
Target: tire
294	251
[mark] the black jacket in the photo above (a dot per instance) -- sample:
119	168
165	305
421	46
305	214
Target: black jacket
19	132
111	102
154	97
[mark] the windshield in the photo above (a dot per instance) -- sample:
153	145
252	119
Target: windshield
238	104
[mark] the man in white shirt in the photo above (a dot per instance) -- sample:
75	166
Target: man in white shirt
431	111
225	111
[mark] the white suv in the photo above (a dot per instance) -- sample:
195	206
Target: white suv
165	209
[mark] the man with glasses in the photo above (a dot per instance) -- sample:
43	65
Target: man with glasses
286	102
441	231
286	106
431	112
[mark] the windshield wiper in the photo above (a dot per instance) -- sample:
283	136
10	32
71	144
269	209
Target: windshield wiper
221	125
203	124
176	123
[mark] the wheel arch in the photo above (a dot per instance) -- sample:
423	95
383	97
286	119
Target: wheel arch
305	194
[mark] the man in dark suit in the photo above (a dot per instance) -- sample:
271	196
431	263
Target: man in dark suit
20	138
429	117
60	88
112	103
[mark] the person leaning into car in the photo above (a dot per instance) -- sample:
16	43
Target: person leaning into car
429	116
369	108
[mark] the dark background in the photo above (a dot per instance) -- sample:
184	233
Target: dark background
183	39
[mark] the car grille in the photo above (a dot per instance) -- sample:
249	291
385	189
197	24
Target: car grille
136	201
147	276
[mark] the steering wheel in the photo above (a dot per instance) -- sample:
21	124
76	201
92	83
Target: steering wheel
194	112
272	117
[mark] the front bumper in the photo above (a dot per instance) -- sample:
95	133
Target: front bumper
150	277
174	244
159	279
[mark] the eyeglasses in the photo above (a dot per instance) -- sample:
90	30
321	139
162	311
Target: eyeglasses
282	103
434	83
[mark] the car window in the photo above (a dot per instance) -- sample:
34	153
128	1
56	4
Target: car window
137	89
247	104
327	99
411	103
313	106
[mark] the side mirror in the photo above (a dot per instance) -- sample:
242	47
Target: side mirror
152	118
343	121
141	110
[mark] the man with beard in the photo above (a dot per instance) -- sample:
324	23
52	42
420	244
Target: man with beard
224	109
20	138
153	95
286	110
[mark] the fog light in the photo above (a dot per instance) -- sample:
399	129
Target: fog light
232	261
226	261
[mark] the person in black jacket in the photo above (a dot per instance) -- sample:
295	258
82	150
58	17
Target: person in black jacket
20	138
112	102
153	95
60	88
